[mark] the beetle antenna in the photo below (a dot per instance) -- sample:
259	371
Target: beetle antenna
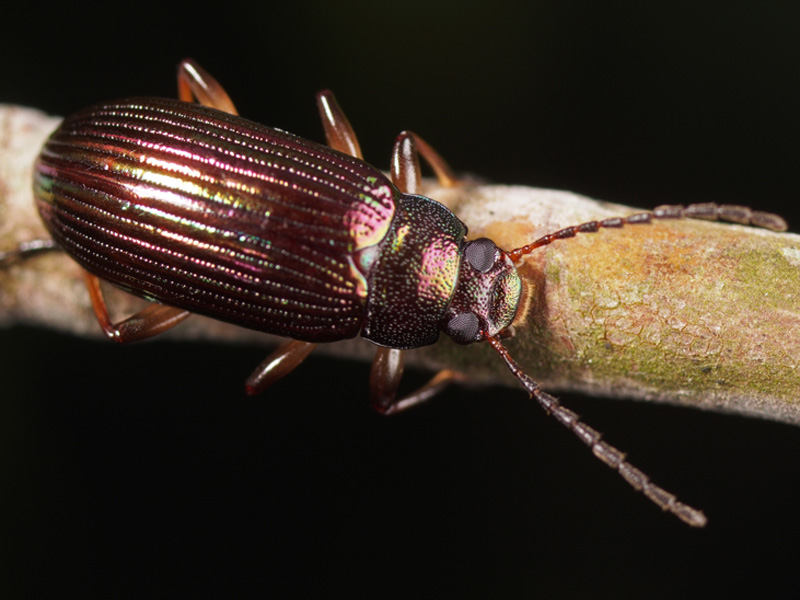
605	452
708	211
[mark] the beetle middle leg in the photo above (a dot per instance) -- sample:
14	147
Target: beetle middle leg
407	149
278	364
194	82
338	131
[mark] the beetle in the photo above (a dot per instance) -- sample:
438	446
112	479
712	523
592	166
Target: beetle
199	210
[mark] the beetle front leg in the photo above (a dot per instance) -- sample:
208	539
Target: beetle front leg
153	319
406	173
385	376
194	82
387	368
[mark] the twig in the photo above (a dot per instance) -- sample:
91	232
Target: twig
687	312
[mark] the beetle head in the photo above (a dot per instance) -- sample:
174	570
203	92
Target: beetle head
486	296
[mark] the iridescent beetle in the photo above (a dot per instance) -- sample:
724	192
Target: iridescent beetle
202	211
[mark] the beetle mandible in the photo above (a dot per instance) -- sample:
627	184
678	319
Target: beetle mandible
201	211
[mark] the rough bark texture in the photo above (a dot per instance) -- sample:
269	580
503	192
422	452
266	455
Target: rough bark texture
686	312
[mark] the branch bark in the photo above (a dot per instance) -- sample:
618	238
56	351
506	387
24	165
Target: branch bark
685	312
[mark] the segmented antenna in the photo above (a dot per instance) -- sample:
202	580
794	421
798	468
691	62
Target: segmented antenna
592	438
708	211
605	452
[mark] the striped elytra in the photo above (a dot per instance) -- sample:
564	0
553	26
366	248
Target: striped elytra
217	215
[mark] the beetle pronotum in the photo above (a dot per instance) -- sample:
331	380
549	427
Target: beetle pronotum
191	206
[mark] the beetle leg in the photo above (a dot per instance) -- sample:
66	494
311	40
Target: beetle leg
155	318
387	368
384	378
194	82
405	163
338	131
407	149
27	250
278	364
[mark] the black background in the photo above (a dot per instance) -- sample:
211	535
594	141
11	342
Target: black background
144	471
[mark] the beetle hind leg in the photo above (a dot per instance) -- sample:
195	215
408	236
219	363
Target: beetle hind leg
27	250
152	320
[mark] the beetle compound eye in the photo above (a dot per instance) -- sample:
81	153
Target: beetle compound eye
480	254
463	328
